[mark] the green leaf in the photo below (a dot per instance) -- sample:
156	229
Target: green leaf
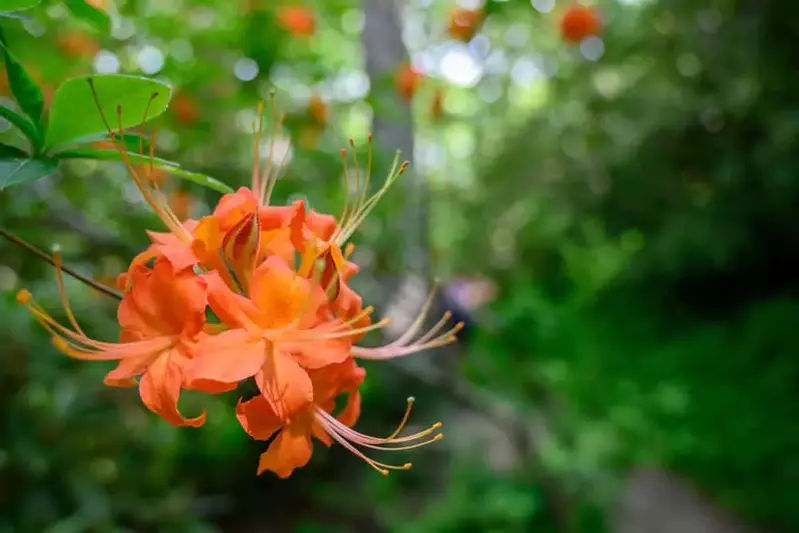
14	15
16	170
89	13
26	126
8	152
130	140
17	5
26	91
123	101
134	158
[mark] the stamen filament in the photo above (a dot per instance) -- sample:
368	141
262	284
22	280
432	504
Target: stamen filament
419	322
256	170
349	438
356	193
62	292
161	209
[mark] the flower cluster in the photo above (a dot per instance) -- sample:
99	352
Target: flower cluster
253	291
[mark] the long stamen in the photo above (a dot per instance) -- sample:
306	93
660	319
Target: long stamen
357	192
355	319
369	152
261	191
404	345
345	212
273	179
419	322
350	438
62	292
405	417
355	220
161	209
80	346
256	164
381	442
311	335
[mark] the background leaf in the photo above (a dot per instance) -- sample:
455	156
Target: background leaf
134	158
131	140
26	126
14	171
17	5
7	151
91	14
74	113
16	15
25	89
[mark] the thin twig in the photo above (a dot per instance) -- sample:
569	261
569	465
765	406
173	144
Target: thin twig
42	255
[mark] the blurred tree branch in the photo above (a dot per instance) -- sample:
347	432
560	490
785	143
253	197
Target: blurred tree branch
384	52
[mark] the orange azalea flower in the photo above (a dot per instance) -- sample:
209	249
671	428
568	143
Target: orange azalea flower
162	316
281	330
464	23
299	20
579	22
407	81
292	448
277	278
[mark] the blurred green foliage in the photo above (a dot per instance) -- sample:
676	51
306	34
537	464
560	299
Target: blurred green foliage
632	198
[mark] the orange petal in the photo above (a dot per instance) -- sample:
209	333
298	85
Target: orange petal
228	357
210	386
280	295
182	298
233	309
330	381
275	217
163	302
321	225
159	388
234	206
277	242
321	435
297	226
284	384
318	354
291	449
257	418
352	411
240	249
125	372
180	255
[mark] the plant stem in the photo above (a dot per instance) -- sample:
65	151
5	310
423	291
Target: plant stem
42	255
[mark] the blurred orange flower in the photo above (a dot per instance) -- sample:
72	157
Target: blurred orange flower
78	45
464	23
185	109
407	81
297	19
579	22
318	110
